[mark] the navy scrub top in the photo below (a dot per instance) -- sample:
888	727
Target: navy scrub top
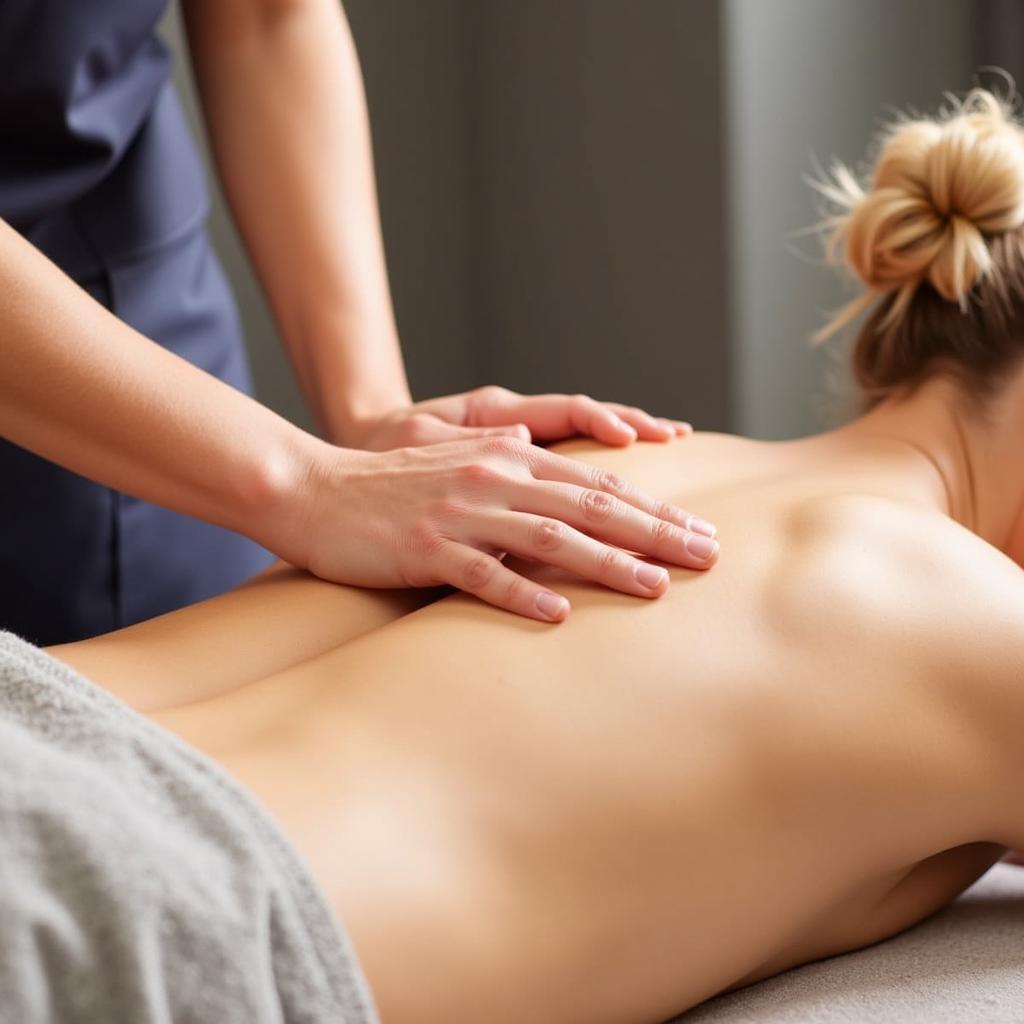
99	171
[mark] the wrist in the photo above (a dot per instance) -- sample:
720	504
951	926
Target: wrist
351	371
273	505
351	425
359	381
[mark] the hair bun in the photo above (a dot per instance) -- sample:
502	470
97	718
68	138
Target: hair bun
939	191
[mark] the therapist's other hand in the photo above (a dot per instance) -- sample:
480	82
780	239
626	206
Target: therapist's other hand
494	411
447	514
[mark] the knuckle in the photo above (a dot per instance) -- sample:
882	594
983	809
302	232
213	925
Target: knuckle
514	592
416	428
662	531
506	447
609	561
612	483
425	541
482	399
448	511
477	573
597	506
416	574
547	534
479	474
665	512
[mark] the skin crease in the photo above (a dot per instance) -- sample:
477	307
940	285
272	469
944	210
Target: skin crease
555	824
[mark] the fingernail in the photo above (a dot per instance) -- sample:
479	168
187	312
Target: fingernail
698	525
625	428
649	576
701	547
551	606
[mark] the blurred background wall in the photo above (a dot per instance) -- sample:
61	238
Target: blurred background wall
807	80
604	195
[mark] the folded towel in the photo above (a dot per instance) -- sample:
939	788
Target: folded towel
139	883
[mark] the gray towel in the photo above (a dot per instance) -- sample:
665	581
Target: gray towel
138	883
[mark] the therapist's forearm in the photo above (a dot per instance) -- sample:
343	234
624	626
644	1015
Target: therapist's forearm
284	105
84	390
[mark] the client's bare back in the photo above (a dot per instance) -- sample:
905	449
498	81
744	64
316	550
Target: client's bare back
460	774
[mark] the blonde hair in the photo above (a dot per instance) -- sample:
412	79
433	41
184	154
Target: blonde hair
937	240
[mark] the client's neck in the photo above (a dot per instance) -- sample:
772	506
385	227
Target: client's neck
976	455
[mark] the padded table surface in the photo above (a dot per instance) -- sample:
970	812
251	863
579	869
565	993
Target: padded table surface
963	966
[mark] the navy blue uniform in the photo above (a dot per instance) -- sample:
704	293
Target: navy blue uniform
99	171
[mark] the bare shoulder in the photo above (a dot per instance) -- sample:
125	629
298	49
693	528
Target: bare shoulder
906	599
863	534
911	578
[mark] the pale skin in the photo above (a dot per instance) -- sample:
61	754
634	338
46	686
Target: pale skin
394	493
800	753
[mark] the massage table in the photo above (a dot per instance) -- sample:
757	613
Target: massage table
965	965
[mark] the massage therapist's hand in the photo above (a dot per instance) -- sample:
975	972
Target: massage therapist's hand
447	513
491	411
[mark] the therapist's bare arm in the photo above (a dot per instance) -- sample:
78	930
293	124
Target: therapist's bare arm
83	389
283	101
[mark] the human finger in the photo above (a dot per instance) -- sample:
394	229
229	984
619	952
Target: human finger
599	420
549	417
679	427
545	465
647	427
553	542
484	576
613	521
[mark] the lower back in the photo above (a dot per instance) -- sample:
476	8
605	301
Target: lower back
619	768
